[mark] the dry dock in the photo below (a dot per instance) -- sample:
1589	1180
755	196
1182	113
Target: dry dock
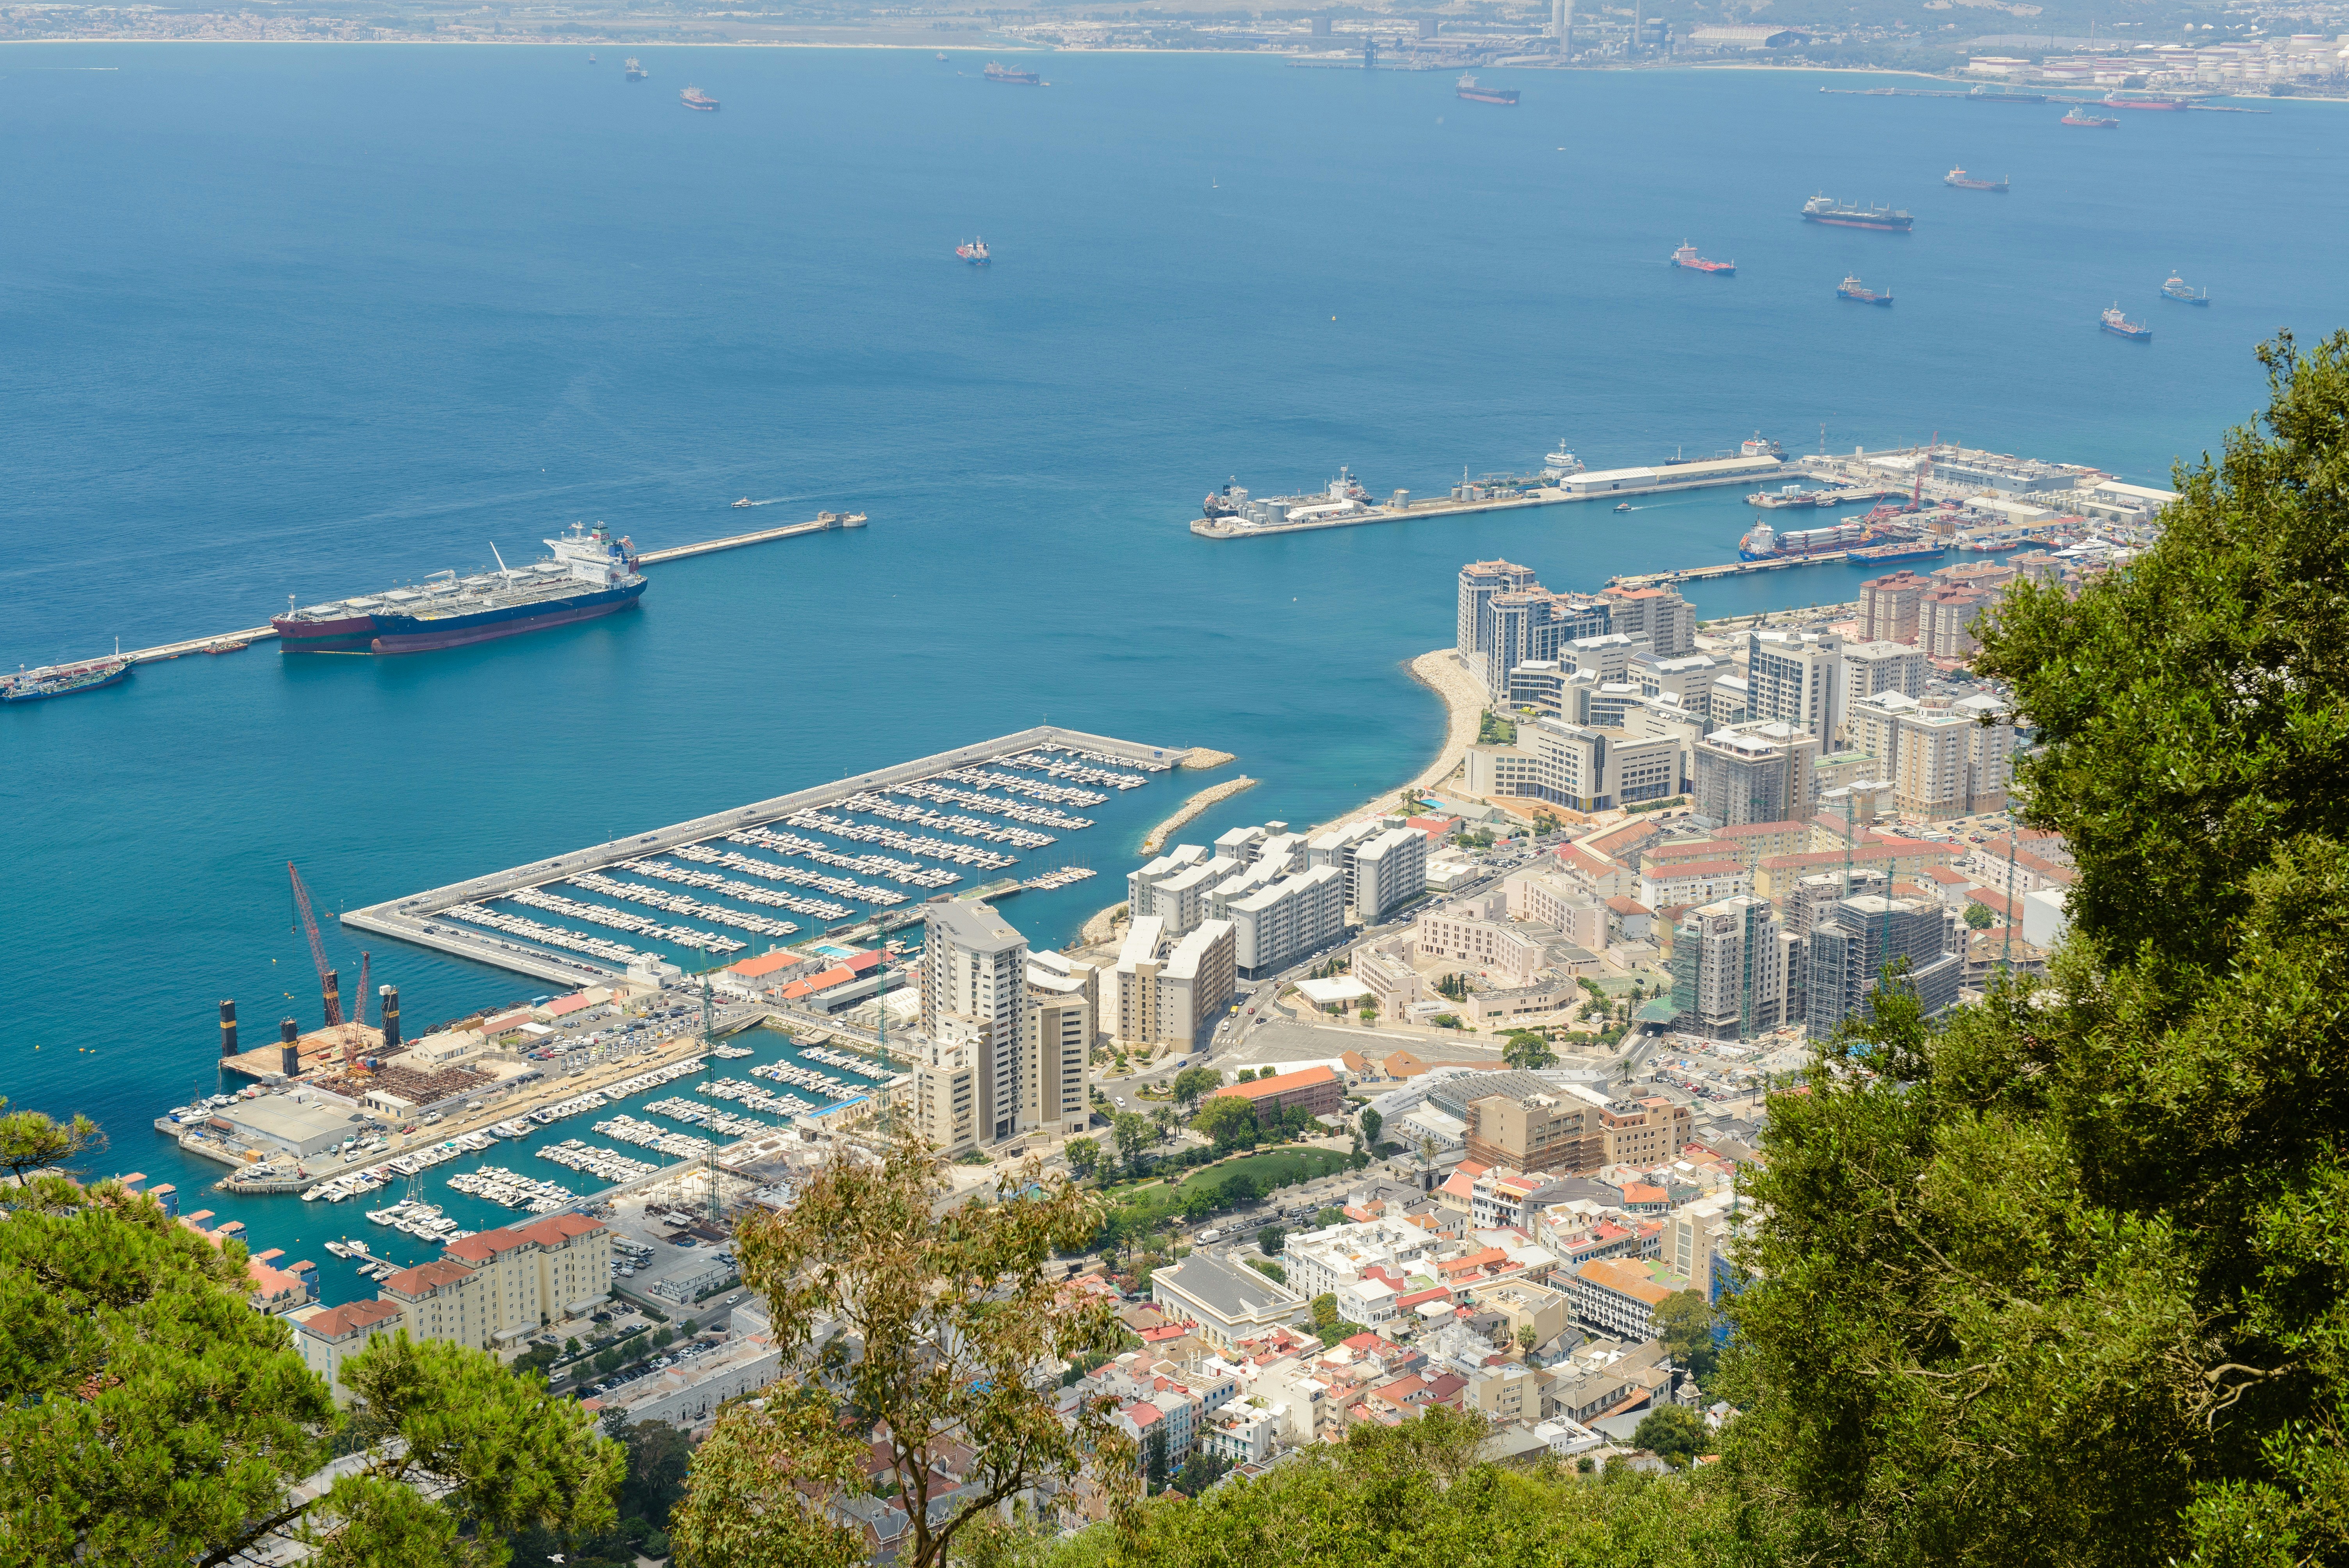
412	918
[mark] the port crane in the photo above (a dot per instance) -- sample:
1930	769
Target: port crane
326	977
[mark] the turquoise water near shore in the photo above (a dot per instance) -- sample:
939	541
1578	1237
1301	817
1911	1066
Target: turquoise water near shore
303	321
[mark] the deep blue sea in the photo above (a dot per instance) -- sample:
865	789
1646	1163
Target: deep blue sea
303	320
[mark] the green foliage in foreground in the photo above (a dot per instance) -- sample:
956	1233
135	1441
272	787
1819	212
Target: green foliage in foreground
1412	1496
2064	1279
148	1415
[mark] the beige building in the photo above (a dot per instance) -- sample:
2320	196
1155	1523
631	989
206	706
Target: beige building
945	1085
1929	775
1888	607
1561	1131
1060	1045
1158	997
1502	953
1526	1305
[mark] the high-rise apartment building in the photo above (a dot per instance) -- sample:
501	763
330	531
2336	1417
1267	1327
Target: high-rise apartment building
1658	617
1850	949
1281	922
1947	619
1869	668
1797	678
1479	581
1888	607
1505	618
1390	871
1931	775
1732	962
1757	772
974	995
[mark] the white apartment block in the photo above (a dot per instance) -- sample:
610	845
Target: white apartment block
1880	666
1582	767
1796	679
1276	926
1320	1262
975	966
1389	872
1549	895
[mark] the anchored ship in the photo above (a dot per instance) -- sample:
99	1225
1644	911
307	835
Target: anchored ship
64	680
2120	325
1475	94
1828	209
590	573
996	73
1964	181
1852	288
2081	117
637	73
1686	256
2178	288
695	98
975	253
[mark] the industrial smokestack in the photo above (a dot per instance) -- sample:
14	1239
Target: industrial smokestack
334	997
390	995
289	1053
228	1027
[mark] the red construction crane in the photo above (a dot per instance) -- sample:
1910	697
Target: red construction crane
317	948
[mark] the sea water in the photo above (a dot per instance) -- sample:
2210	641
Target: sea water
286	323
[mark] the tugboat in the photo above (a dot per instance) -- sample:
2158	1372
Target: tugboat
635	72
2120	325
2079	116
695	98
2177	288
745	502
1852	288
1686	256
975	253
1467	88
1622	506
1959	177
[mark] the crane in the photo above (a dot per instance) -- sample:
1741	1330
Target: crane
359	997
317	949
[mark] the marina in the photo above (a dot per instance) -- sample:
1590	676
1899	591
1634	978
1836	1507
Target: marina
599	914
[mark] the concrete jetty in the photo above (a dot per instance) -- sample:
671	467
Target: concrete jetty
823	522
1610	485
412	918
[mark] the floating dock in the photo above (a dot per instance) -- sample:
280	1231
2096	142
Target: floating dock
418	918
823	522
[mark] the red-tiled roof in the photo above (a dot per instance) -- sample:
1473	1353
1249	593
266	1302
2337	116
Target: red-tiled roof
355	1317
1303	1078
1675	872
425	1277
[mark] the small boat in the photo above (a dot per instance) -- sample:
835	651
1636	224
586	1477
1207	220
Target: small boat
1852	288
743	502
591	59
1622	506
1964	181
2120	325
226	645
2178	288
2081	117
942	56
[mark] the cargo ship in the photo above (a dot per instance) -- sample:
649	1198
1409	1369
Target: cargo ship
590	573
64	680
1686	256
2120	325
1762	542
637	73
695	98
1828	209
996	73
2097	121
2179	289
1852	288
1964	181
1475	94
975	253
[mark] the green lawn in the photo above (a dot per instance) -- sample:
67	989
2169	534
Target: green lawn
1283	1165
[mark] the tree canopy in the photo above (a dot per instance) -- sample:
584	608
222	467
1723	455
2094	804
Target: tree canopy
2064	1277
149	1415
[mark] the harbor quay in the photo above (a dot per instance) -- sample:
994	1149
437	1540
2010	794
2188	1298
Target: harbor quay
426	919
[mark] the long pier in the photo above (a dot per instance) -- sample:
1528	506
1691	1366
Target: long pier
1546	495
412	918
825	522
